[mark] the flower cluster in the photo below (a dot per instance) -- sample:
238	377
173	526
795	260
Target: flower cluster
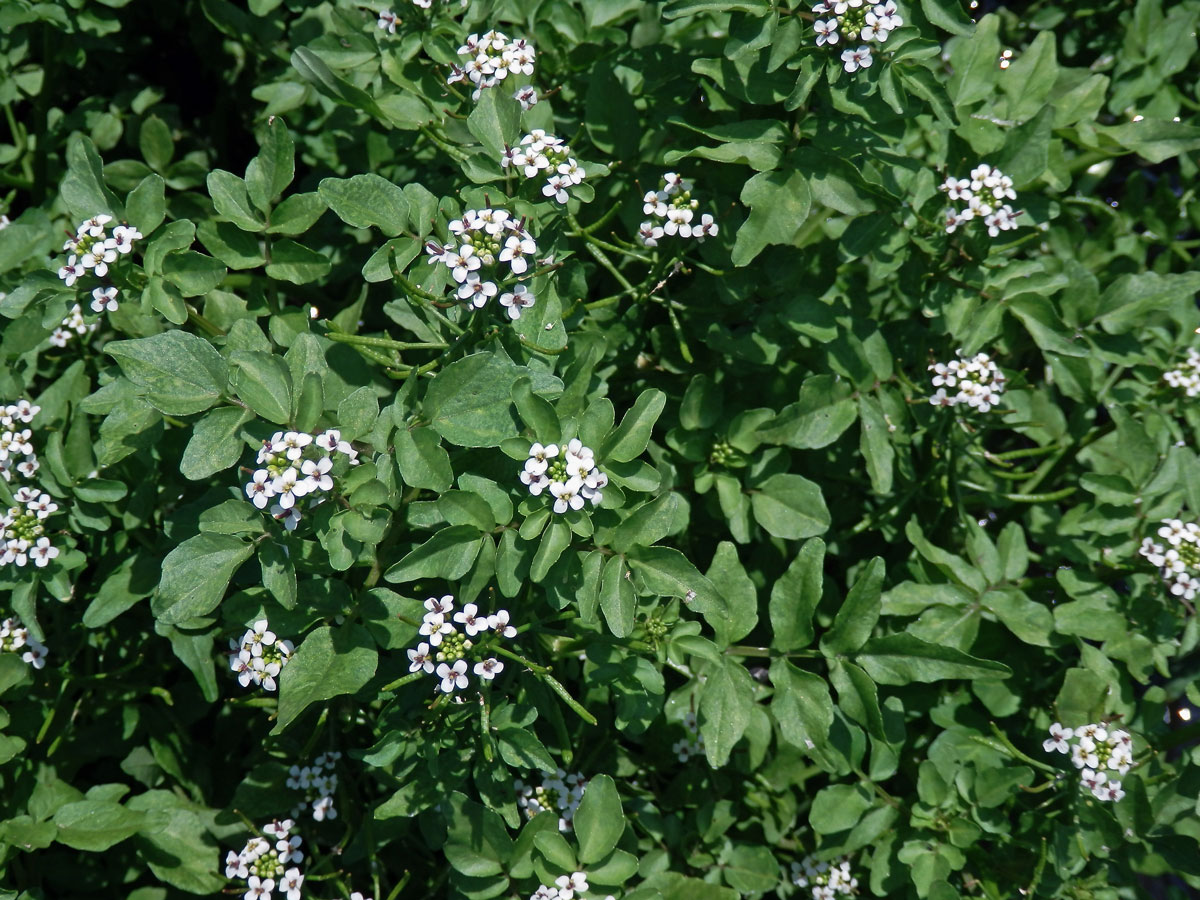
984	194
558	793
1179	562
825	880
673	210
565	887
691	745
855	20
451	650
977	382
1186	375
72	326
269	865
542	155
318	783
388	20
488	239
572	478
16	443
92	249
294	465
259	656
1096	751
15	638
22	532
490	59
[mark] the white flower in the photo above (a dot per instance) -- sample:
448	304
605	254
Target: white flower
853	60
434	626
516	248
527	96
123	237
42	552
826	31
649	234
235	865
387	21
475	291
517	299
317	473
469	618
498	622
104	299
419	659
443	604
1058	739
489	668
258	888
567	495
454	676
290	883
72	271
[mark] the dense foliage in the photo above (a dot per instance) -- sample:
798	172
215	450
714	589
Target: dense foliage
675	450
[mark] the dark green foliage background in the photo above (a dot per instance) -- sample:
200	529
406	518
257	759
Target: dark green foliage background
876	607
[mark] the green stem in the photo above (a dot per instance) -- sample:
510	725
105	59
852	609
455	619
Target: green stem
1022	497
200	322
575	705
516	657
384	343
400	682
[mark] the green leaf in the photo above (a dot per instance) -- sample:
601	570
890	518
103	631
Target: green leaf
156	144
779	203
195	274
555	540
447	555
838	808
146	204
132	581
875	444
858	615
536	412
790	506
96	825
477	842
177	372
232	200
264	382
667	572
599	821
495	121
741	597
801	704
269	173
825	410
904	659
329	663
215	444
617	600
725	705
196	575
469	402
948	15
296	214
629	439
278	573
974	63
794	598
648	524
858	697
1082	698
422	460
521	749
296	263
751	868
83	189
314	70
358	413
366	200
